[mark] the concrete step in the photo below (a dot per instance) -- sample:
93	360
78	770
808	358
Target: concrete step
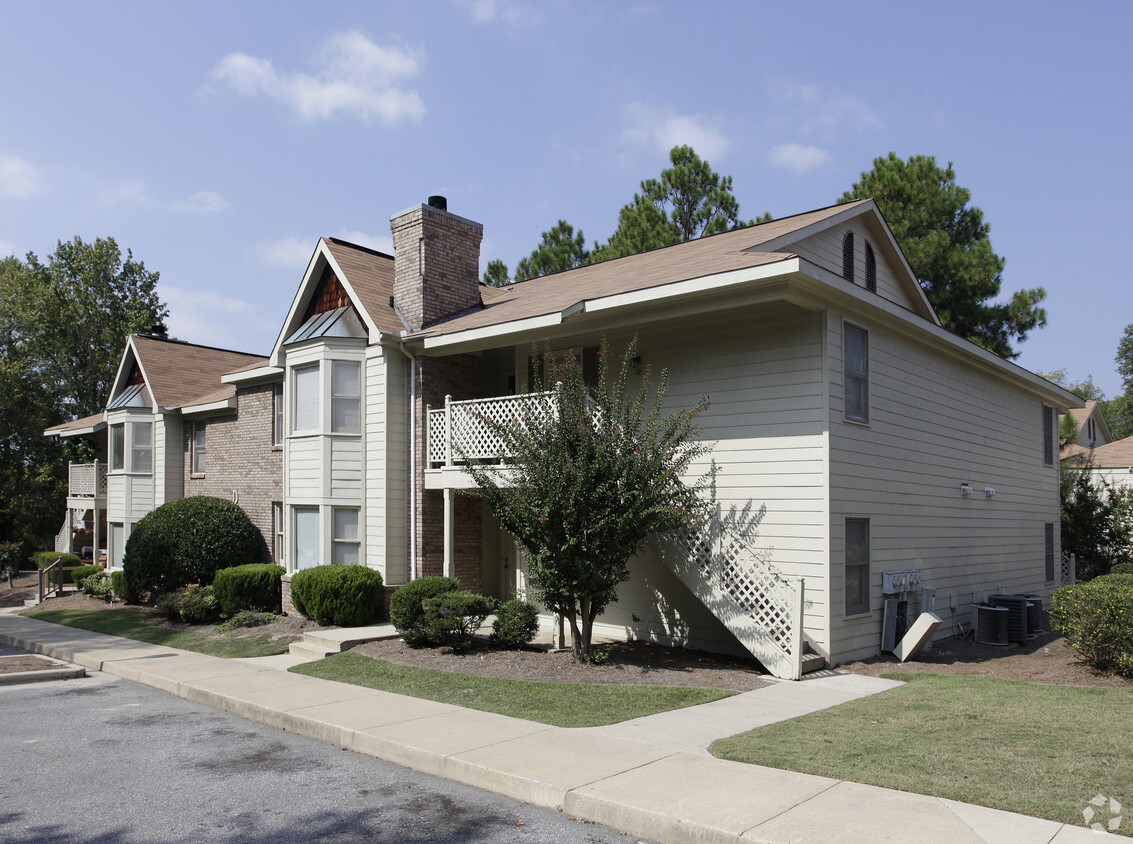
308	651
343	638
813	662
31	602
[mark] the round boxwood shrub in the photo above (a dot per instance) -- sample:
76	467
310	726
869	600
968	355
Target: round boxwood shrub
515	625
338	595
121	588
1096	618
406	607
255	586
1122	568
451	618
188	540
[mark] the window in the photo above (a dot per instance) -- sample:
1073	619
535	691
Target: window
306	537
305	413
277	531
870	270
117	446
117	543
198	467
345	397
141	447
857	566
346	546
1048	435
855	372
1049	550
848	257
277	413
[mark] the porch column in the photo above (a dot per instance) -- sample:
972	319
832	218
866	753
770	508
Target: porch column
450	506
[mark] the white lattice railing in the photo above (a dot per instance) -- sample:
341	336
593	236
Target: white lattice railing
62	539
86	480
761	607
462	431
1068	570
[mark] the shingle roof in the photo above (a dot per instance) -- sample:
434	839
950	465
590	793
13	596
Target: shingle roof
181	373
1115	455
718	253
370	274
75	425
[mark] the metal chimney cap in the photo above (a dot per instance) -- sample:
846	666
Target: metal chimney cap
438	202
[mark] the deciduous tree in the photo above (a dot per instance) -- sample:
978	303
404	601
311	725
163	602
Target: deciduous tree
948	245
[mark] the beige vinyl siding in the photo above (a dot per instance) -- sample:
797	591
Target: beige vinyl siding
936	422
345	476
825	249
139	496
396	509
171	464
762	370
304	455
374	417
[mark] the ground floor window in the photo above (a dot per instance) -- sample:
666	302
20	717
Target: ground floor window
117	543
1049	550
347	548
277	532
306	537
857	566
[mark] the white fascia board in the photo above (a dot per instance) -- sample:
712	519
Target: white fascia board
145	378
720	282
371	326
914	325
76	432
222	406
285	329
248	376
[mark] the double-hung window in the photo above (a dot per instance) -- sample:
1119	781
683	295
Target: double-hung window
305	412
198	467
346	545
345	397
277	414
141	447
118	447
855	372
857	566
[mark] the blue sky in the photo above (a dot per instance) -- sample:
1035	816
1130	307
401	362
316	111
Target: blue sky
218	141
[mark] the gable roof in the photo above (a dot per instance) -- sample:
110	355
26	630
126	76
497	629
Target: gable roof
755	246
1115	455
1082	414
178	373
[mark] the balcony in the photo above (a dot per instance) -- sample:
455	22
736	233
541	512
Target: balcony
86	485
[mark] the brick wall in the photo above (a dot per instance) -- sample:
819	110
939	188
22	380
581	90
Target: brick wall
436	264
239	456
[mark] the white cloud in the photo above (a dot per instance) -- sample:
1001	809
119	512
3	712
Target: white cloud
798	158
356	76
662	129
290	253
202	202
7	248
382	243
18	178
826	113
508	12
202	316
125	193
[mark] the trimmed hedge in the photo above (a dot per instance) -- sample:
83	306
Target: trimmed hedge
515	625
1122	568
45	558
121	588
83	572
338	595
188	540
255	586
1096	618
406	610
451	618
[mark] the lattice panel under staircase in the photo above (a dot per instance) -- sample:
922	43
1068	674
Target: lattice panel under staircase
760	606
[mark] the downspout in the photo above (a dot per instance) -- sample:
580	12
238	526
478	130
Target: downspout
412	458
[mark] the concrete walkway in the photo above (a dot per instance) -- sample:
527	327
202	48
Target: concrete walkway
629	777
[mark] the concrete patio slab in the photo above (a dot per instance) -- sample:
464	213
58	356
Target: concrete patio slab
541	768
690	799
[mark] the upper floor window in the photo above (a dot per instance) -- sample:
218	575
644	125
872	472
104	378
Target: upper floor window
305	412
277	414
141	447
198	467
870	269
848	257
117	447
346	397
1050	442
855	372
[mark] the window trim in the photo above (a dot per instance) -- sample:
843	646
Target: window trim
862	604
198	450
850	376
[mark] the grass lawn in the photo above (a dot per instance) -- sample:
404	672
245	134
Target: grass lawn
1041	750
558	704
130	624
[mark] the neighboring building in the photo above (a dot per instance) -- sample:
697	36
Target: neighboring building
854	435
1113	462
1093	431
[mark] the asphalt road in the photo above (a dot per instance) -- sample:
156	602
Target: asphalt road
107	761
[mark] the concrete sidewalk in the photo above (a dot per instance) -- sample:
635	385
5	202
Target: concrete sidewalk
624	776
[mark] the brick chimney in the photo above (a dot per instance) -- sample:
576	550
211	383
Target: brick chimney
436	263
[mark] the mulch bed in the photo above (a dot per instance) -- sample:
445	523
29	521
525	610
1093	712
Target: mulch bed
14	664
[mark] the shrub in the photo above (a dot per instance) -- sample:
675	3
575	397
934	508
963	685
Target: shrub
95	585
83	572
45	558
255	586
405	607
339	595
248	618
451	618
193	604
11	556
1122	568
1097	620
121	588
516	624
188	540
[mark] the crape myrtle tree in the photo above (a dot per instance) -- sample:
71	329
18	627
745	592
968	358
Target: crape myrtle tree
593	475
948	246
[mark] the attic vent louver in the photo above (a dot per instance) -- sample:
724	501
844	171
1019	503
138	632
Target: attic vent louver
848	257
870	270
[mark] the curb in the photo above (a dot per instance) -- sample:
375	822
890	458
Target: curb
42	675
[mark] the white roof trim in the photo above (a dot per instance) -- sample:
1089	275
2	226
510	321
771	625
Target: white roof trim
117	386
211	407
75	432
246	376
